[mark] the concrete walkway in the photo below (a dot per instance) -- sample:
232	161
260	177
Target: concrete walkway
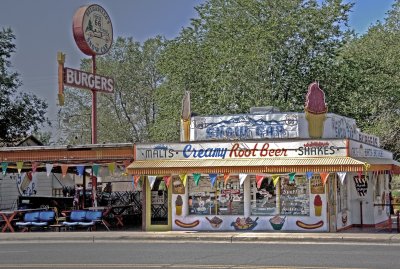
218	237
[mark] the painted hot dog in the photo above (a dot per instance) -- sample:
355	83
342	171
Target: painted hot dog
309	226
187	225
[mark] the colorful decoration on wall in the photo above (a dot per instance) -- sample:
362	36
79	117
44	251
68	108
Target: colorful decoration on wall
215	222
361	184
177	186
316	186
178	205
309	226
244	223
344	218
187	225
277	222
317	205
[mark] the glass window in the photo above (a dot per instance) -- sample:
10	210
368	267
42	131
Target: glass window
263	200
221	199
295	196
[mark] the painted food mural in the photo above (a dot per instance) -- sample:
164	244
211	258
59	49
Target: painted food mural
215	222
277	222
244	223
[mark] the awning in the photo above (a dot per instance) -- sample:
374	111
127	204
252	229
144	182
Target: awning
268	165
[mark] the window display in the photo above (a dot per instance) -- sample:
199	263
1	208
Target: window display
263	200
295	196
342	196
222	199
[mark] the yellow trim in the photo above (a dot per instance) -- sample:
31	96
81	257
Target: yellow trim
157	228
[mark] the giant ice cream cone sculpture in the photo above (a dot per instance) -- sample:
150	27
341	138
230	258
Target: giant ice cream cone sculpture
185	117
316	110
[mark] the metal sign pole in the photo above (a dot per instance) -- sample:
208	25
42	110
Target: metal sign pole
94	105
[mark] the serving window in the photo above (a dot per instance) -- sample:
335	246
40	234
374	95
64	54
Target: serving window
220	199
295	196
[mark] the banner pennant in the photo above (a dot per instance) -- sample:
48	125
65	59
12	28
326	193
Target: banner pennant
34	167
152	179
95	169
213	177
342	176
291	177
259	180
80	170
309	175
4	166
196	178
167	180
19	166
49	167
183	178
275	179
111	168
226	177
64	169
324	177
242	178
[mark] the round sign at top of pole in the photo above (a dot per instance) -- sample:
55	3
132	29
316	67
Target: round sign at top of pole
92	30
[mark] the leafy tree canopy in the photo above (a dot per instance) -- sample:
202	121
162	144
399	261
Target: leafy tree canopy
20	113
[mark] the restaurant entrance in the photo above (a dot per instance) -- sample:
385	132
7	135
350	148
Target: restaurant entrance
158	206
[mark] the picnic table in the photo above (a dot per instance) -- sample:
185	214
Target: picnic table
9	216
114	213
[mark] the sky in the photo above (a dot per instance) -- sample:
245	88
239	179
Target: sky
44	27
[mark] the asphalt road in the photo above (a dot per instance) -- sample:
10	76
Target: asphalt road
198	255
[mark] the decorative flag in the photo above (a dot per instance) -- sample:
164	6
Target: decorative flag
242	178
324	177
152	179
4	166
64	169
19	166
275	179
111	168
259	179
133	182
136	180
213	177
359	174
95	169
125	164
161	187
49	167
167	180
34	167
291	177
342	176
183	178
309	175
80	170
226	177
196	178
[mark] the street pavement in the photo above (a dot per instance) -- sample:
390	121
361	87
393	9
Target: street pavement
190	236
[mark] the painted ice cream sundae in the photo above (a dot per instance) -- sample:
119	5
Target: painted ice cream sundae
277	222
318	205
215	222
316	110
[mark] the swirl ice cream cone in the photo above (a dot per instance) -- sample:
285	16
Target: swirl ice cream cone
316	110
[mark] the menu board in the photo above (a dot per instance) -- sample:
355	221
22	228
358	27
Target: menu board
295	196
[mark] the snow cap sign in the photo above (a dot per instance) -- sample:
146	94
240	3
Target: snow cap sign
316	110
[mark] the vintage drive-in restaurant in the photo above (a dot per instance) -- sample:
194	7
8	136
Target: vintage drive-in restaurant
265	171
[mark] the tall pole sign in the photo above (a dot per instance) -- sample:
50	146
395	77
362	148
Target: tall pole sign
93	33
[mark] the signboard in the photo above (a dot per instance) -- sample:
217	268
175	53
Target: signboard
357	149
361	184
245	126
85	80
92	30
235	150
157	199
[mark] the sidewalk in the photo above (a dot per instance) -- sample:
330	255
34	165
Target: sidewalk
220	237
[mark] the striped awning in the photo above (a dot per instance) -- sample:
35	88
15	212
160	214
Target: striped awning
266	165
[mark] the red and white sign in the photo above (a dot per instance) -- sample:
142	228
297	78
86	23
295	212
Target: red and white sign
81	79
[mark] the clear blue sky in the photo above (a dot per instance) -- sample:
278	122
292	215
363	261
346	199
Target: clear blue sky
43	27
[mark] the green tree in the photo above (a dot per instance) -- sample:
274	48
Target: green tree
126	114
20	113
240	53
371	63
